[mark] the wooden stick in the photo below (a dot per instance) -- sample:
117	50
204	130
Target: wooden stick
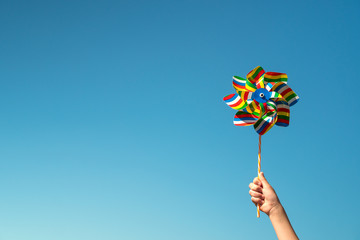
259	169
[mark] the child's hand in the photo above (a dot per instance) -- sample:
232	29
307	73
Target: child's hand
262	193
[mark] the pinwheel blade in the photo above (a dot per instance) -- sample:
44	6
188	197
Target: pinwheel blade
245	119
274	95
283	112
252	107
267	120
239	83
246	96
286	92
250	86
234	101
255	74
260	83
274	77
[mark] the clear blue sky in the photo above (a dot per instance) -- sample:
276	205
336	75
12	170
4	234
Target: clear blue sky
113	126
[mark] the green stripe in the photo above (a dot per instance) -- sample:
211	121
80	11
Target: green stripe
284	117
250	84
258	123
240	78
271	104
256	73
262	119
252	108
276	94
291	97
276	80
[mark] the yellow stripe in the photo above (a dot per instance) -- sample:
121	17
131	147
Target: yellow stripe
252	107
250	75
288	94
242	95
240	89
283	114
249	88
276	76
241	106
261	82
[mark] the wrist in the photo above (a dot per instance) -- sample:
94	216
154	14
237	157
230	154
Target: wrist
277	210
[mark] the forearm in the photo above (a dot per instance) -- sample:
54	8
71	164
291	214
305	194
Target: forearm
281	224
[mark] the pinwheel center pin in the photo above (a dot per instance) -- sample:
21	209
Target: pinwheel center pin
261	95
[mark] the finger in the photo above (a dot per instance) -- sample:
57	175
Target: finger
257	201
257	181
256	194
255	188
263	179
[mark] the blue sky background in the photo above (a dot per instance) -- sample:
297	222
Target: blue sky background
113	126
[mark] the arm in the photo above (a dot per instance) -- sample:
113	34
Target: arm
262	193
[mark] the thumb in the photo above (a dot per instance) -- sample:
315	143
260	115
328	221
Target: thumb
263	180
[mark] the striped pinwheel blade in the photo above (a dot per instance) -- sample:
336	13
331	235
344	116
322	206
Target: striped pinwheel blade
286	92
283	112
274	95
260	83
250	86
252	107
274	77
241	84
246	96
245	119
234	101
267	120
255	74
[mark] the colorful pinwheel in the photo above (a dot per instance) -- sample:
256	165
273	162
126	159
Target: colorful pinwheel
263	99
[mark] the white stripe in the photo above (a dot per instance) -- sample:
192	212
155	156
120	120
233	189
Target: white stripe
234	101
239	80
293	99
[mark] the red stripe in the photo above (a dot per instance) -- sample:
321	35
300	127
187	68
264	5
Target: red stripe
228	97
243	124
285	92
274	73
237	84
259	75
241	115
246	95
283	110
283	120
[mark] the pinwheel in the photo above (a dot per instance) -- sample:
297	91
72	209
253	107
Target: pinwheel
263	99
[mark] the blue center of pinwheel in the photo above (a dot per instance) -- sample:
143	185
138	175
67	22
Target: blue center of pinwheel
261	95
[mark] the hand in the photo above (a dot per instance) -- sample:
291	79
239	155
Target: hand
262	193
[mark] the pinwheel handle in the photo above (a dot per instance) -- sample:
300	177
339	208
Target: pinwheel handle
259	169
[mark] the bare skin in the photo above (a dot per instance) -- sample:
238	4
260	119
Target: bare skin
262	193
